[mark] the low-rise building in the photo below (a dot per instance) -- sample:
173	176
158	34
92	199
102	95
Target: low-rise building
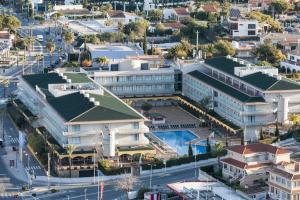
243	28
244	49
284	181
6	38
292	63
248	163
139	76
237	93
77	111
113	51
178	14
118	16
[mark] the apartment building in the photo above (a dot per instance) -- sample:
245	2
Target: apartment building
247	163
138	76
284	181
247	95
75	110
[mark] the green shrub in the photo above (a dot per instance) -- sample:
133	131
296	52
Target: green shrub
108	170
33	194
54	190
141	192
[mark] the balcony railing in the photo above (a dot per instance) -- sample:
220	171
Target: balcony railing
132	130
81	133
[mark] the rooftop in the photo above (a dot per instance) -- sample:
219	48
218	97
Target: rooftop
270	83
257	148
225	88
82	99
181	11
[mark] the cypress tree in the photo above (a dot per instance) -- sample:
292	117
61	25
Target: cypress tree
261	136
277	131
145	43
190	149
208	147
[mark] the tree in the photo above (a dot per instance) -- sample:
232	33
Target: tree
56	17
277	131
280	6
218	151
208	147
86	63
69	37
264	63
269	53
10	22
205	102
70	149
155	15
275	25
126	184
136	28
224	48
146	107
102	60
242	138
190	150
182	50
50	46
160	28
145	44
104	9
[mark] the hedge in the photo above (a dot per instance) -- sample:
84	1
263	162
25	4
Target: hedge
113	170
179	161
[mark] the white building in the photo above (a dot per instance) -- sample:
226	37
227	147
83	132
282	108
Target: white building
118	16
76	110
113	51
138	76
243	28
284	181
6	38
246	95
293	61
248	163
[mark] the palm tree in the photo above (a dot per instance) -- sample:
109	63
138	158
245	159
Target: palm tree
218	151
70	150
50	46
38	57
102	60
10	22
68	38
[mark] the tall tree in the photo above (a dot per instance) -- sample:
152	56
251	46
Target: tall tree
155	15
218	151
68	40
70	149
145	44
126	184
50	46
268	52
208	147
190	150
280	6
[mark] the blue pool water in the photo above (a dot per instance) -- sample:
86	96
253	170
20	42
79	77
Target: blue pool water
179	141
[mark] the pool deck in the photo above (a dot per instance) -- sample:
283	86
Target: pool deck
176	115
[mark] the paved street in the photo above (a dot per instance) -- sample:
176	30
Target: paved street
110	190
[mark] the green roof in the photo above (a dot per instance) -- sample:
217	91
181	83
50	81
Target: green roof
258	79
76	107
71	105
225	88
110	108
43	80
224	64
270	83
77	77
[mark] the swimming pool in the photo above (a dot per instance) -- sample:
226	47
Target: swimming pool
179	141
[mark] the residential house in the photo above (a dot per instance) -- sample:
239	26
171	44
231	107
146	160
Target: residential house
243	49
178	14
243	28
292	63
6	38
284	181
118	16
248	163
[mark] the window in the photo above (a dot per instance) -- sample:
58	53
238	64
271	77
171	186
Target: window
225	166
74	140
292	58
136	125
76	128
251	26
251	33
136	137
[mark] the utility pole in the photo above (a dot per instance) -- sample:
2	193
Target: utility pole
195	162
98	186
48	171
197	32
94	167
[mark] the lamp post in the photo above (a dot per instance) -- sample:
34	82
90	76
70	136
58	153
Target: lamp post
195	161
28	170
94	167
151	171
85	193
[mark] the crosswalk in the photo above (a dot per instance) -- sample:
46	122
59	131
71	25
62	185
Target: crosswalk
13	140
33	168
9	194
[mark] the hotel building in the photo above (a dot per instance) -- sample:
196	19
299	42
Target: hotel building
247	95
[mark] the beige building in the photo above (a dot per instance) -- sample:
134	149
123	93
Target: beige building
284	181
247	163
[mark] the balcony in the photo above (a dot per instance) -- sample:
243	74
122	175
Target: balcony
82	133
132	130
256	112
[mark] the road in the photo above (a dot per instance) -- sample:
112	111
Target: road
110	190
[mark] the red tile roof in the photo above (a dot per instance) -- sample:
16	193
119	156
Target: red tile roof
116	14
181	11
256	148
243	165
173	25
209	8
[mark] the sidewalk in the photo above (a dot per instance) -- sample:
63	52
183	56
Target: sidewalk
18	171
90	180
